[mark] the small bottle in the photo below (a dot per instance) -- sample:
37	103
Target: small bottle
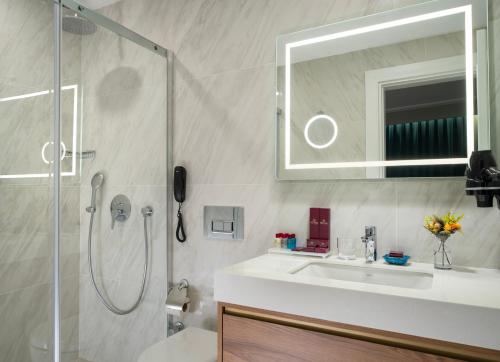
277	241
284	241
291	242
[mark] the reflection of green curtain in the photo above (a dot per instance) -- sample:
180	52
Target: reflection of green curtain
435	138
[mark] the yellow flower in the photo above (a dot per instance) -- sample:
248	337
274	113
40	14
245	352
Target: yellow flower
446	224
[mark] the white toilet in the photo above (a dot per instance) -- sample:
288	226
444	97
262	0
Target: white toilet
190	345
41	337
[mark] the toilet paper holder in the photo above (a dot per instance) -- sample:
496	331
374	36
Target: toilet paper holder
177	298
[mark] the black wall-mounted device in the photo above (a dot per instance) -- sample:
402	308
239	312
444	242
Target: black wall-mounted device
180	177
180	184
483	178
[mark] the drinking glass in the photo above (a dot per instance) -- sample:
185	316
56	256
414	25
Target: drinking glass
347	248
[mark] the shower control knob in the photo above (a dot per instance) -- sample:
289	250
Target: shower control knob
120	209
147	211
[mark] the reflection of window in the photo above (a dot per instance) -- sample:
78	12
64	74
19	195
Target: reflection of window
426	122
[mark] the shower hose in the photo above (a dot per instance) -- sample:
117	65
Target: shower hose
147	211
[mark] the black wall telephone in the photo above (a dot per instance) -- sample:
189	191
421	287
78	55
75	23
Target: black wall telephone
180	176
180	184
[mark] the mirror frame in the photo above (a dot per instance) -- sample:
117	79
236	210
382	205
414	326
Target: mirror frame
391	19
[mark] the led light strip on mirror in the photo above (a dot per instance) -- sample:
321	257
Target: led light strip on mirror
466	10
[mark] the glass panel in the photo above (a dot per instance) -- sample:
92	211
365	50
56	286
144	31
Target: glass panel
122	134
70	192
26	117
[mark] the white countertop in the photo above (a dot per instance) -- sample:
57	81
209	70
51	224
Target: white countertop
462	305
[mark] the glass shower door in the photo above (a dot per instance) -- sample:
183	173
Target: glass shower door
113	120
26	208
114	125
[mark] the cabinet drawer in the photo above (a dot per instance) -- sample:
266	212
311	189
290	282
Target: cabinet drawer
250	340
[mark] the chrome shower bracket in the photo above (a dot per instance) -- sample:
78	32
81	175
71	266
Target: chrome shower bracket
120	209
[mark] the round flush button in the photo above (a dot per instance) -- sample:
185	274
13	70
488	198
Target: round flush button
314	119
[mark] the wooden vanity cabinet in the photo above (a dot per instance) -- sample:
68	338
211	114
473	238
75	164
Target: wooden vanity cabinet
254	335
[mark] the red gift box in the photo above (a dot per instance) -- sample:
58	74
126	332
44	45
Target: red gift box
319	229
324	224
314	223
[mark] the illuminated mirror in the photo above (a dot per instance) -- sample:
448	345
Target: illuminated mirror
396	94
26	137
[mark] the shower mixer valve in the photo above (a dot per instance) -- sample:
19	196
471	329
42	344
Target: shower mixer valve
120	209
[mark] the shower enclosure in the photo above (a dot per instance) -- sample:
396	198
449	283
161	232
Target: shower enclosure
80	96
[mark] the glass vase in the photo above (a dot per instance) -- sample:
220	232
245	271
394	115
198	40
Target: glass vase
442	254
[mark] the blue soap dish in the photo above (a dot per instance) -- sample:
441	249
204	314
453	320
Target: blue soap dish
396	261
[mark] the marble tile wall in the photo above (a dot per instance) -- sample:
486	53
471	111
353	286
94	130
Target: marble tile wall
26	63
224	112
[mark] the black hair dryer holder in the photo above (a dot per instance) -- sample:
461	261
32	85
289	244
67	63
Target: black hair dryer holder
483	178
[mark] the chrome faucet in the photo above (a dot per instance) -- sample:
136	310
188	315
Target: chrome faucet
370	240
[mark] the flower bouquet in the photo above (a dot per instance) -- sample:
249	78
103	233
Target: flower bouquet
443	227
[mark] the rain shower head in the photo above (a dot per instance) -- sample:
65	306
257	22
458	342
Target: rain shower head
75	24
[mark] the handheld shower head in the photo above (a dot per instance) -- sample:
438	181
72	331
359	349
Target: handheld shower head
96	183
97	180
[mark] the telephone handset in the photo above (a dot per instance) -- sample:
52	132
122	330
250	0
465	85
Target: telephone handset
180	184
180	176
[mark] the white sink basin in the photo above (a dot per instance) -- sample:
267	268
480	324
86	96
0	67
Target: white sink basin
370	275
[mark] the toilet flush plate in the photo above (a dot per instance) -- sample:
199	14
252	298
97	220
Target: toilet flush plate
223	222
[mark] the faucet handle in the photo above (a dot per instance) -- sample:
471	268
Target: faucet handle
370	241
370	231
